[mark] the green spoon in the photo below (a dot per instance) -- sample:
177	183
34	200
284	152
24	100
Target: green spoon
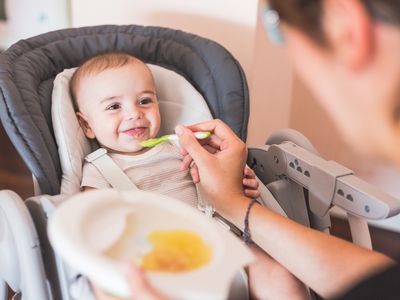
173	138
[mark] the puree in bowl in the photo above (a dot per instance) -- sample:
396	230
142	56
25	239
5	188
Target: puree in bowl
176	251
172	250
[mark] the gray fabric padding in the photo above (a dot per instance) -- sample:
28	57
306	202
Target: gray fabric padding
28	68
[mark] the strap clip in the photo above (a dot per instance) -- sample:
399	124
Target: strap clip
95	155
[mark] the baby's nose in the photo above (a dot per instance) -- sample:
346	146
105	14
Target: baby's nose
133	114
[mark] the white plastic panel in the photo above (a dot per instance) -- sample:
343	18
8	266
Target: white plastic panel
19	246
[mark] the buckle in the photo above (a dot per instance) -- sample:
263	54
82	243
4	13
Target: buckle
95	155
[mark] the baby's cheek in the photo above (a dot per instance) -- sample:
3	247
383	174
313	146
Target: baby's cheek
157	122
107	135
154	131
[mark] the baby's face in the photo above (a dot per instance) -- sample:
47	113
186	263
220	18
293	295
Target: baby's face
119	108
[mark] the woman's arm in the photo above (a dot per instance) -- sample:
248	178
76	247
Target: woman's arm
326	264
268	279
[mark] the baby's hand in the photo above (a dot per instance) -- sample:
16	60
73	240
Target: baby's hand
250	183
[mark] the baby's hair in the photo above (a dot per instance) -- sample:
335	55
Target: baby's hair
95	65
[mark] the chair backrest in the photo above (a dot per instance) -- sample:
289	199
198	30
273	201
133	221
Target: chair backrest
28	69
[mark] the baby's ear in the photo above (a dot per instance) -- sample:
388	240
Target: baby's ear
87	130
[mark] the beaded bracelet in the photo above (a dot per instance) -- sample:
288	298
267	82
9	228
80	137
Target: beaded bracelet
246	236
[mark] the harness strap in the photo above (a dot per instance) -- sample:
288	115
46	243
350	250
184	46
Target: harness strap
110	170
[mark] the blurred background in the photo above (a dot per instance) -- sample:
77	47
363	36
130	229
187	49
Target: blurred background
278	98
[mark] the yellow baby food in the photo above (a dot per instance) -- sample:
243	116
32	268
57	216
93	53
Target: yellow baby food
176	251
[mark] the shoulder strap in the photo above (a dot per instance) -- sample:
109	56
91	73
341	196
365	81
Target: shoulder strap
110	170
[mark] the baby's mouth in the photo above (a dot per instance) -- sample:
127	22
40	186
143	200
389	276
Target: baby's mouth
137	131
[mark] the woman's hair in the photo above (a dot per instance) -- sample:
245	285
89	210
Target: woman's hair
96	65
306	15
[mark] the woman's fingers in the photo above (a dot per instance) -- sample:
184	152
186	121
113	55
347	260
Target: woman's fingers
210	149
100	295
186	161
140	288
219	128
213	142
188	142
194	171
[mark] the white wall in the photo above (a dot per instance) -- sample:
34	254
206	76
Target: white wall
270	89
230	22
26	18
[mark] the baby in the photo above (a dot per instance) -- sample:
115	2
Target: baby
116	102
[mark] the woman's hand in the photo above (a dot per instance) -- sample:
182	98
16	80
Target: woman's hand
139	286
250	183
221	171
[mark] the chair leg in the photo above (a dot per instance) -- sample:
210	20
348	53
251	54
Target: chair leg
3	290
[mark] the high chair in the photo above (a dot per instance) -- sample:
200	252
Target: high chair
196	80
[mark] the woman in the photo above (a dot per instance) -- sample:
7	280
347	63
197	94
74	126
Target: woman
346	51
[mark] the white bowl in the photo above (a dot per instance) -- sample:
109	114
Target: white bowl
85	225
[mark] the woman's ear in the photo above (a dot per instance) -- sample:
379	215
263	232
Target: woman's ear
349	30
87	130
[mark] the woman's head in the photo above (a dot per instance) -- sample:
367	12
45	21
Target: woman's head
346	53
306	15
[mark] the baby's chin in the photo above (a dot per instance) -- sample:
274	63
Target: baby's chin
138	150
135	149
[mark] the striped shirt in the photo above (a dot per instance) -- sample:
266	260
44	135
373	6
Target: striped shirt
157	170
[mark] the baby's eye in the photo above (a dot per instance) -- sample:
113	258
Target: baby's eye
145	101
113	106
